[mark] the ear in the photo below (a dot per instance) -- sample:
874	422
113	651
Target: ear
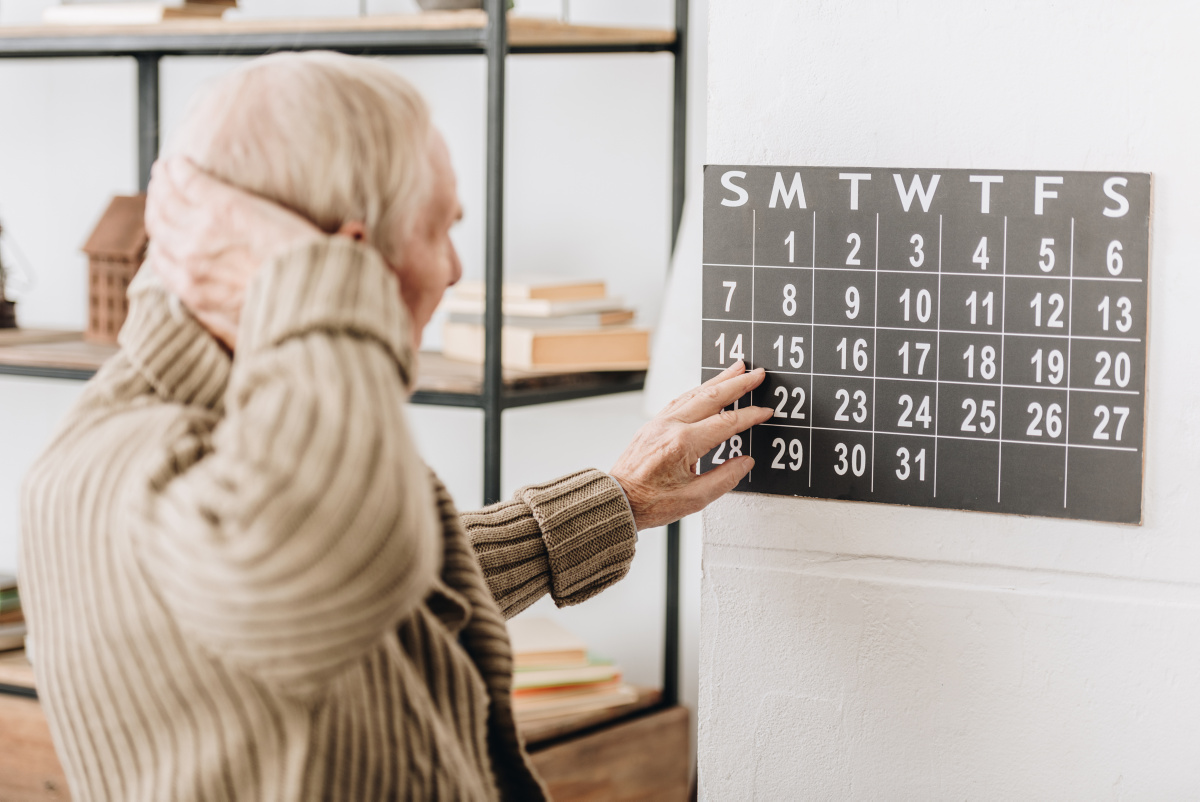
354	229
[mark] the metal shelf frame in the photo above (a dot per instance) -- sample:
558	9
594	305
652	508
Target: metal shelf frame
491	42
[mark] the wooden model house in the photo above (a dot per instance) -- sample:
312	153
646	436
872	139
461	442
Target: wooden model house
115	252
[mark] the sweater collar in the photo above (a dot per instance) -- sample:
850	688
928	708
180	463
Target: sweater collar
172	351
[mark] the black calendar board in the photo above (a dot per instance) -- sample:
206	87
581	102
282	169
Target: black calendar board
971	339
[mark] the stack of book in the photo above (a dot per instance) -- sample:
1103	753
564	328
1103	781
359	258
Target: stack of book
555	676
12	619
550	325
132	12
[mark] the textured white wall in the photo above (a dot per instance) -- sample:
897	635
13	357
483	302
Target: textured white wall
588	189
866	651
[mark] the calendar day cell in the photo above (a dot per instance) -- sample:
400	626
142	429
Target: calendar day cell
728	293
903	469
724	343
782	347
972	303
744	401
841	465
843	350
1034	416
845	298
729	226
1104	485
1033	476
905	407
1037	361
1037	305
842	402
784	237
780	460
1118	367
1108	309
1111	248
788	395
1039	246
736	446
908	301
1106	420
846	240
970	412
968	474
973	244
906	355
974	358
783	295
908	242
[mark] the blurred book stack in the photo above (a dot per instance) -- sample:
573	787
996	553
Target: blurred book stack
12	619
550	325
131	12
555	676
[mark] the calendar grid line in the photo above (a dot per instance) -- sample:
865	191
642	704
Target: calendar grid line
888	433
1007	385
753	259
1003	340
937	387
1113	279
1070	330
812	298
874	351
981	333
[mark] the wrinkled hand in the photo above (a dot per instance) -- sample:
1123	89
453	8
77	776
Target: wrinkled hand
207	239
657	471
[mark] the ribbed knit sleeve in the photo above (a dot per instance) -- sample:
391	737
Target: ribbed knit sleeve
292	536
571	538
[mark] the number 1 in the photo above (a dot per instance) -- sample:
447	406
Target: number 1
791	243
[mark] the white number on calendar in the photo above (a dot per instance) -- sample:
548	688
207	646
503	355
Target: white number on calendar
981	258
918	257
860	412
782	394
924	305
732	285
860	354
988	303
1057	304
1125	323
789	299
1119	367
923	348
793	449
796	350
986	410
735	449
922	415
1115	261
735	350
1055	366
852	302
1121	413
903	472
1046	262
1053	420
857	463
791	243
852	257
987	362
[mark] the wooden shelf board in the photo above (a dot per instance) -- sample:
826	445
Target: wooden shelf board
65	354
544	731
522	31
15	670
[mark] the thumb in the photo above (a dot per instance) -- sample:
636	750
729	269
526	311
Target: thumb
710	486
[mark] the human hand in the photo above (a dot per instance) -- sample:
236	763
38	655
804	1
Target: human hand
657	471
207	240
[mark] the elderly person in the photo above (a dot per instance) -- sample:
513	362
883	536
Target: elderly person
242	580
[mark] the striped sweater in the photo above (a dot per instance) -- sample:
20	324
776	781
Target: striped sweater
243	583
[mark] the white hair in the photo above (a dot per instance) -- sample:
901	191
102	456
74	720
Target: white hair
334	138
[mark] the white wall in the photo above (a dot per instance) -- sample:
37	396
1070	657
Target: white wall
588	193
879	652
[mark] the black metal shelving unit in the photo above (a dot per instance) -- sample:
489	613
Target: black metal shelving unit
492	42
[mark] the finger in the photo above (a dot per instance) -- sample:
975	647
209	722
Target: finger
710	486
708	400
736	369
704	435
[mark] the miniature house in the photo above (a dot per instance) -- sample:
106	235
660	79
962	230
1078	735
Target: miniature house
115	252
